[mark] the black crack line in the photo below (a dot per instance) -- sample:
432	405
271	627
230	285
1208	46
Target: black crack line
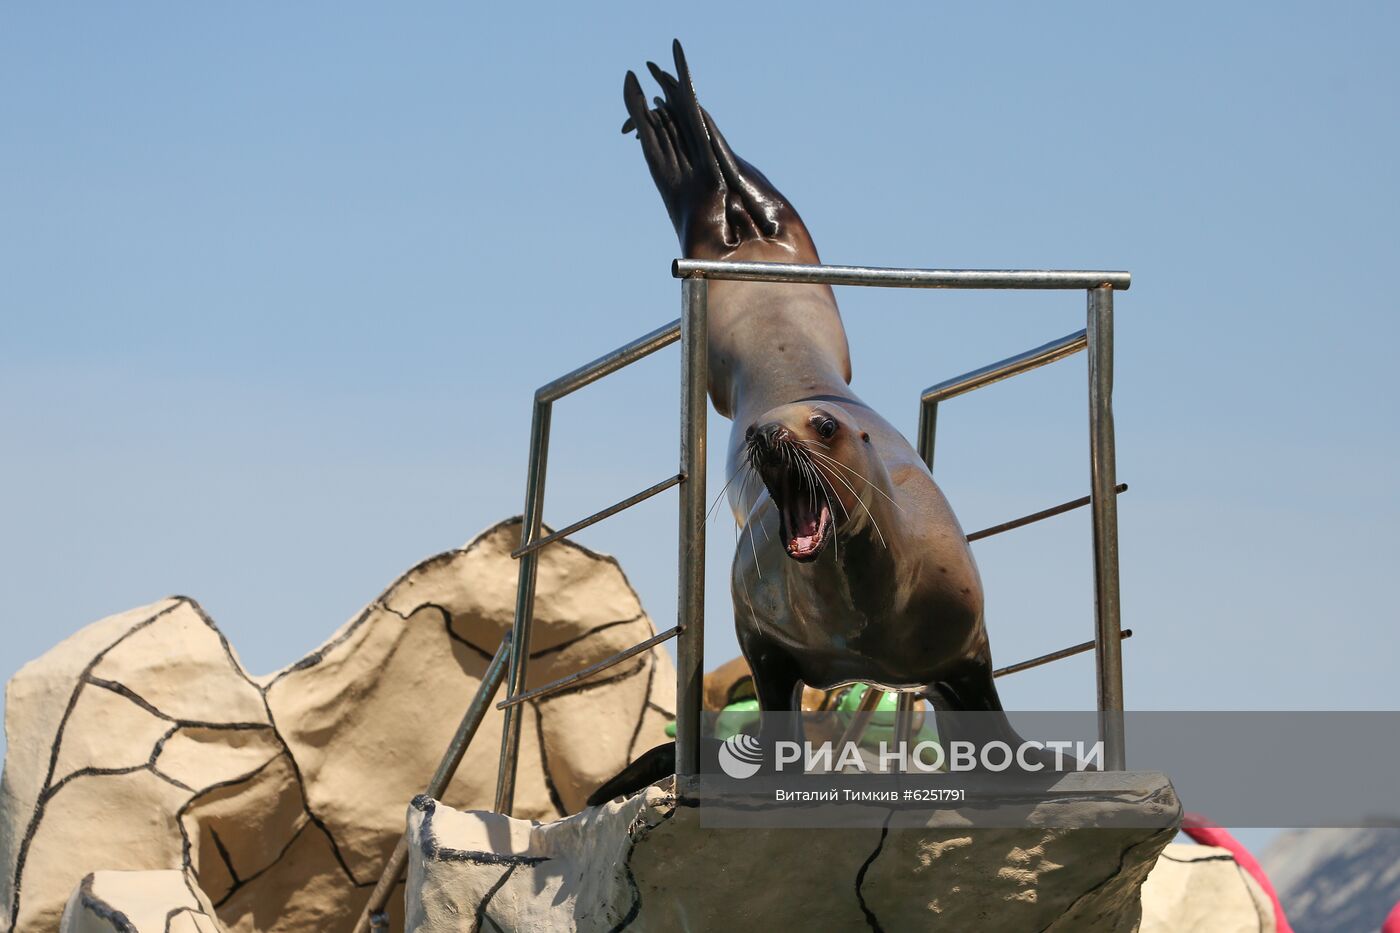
569	643
223	854
194	912
125	691
652	705
173	782
638	831
549	784
1122	860
173	913
40	803
186	860
486	900
160	745
306	799
104	910
50	792
865	867
642	716
1244	879
1203	858
239	884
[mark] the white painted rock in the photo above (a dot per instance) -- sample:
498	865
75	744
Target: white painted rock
647	864
140	746
1202	889
137	902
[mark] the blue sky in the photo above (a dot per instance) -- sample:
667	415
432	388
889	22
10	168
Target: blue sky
278	284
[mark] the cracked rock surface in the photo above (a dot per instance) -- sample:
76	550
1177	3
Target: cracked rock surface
648	864
151	783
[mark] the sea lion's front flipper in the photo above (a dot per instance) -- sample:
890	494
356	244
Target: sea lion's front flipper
716	200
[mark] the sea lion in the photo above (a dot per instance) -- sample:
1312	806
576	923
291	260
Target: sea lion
852	566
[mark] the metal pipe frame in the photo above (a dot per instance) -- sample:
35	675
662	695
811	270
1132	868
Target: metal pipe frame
625	355
1040	516
530	523
1042	355
1104	506
897	278
373	916
1060	655
597	517
690	590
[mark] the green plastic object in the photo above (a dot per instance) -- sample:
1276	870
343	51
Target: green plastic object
881	726
743	715
733	719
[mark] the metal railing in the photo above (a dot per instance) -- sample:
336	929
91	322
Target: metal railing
511	661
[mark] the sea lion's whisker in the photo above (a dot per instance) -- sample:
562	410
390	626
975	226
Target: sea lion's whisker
743	490
826	494
859	475
725	488
858	499
748	526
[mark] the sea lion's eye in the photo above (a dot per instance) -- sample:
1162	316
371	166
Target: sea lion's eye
826	428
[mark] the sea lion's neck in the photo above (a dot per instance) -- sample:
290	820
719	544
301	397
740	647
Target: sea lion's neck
773	343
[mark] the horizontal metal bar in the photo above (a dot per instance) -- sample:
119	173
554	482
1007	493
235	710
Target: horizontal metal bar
1051	512
897	278
1067	345
1055	656
592	669
597	517
611	362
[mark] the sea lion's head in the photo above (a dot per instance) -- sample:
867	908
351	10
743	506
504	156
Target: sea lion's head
817	463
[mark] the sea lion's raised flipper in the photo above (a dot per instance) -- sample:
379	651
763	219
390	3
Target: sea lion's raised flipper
716	200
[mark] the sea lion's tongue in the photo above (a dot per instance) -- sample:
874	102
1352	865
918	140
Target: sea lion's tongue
806	530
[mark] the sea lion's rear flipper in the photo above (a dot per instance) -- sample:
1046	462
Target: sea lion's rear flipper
716	200
650	767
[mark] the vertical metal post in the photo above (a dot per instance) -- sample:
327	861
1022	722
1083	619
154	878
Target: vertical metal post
690	645
524	603
928	429
904	721
1108	653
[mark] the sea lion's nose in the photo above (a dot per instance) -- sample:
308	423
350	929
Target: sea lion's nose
769	436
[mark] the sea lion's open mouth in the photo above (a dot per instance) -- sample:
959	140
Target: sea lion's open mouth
803	509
